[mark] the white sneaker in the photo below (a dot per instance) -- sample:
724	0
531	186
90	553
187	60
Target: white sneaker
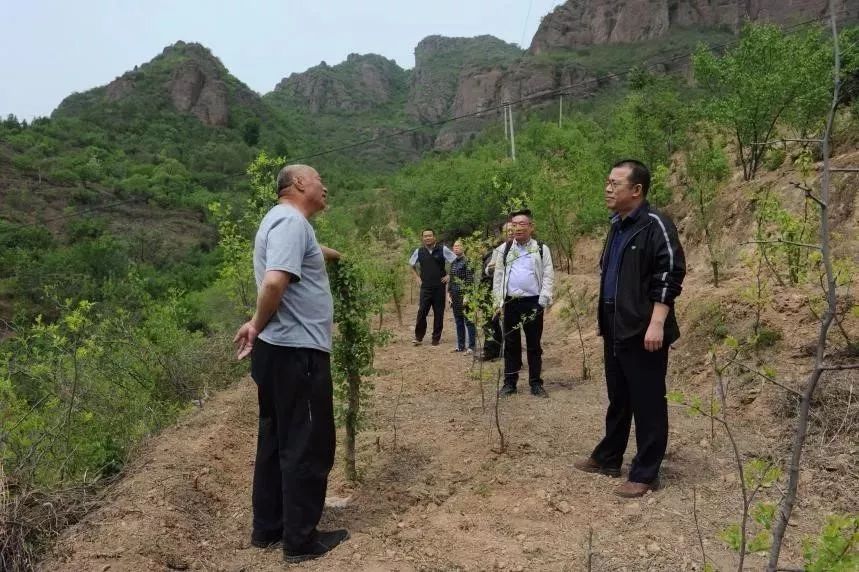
469	351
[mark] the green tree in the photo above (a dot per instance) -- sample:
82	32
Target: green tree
250	131
769	77
706	167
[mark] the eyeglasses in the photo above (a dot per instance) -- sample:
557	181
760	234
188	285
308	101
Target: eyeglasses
614	184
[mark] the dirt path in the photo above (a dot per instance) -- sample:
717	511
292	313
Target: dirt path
442	500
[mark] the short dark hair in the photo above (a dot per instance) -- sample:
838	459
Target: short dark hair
428	230
521	212
639	174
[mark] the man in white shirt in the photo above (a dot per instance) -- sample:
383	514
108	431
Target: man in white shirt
522	290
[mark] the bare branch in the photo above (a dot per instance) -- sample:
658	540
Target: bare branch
774	141
698	526
839	367
780	241
808	193
764	376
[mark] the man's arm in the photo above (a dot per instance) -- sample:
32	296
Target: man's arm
656	329
498	281
271	291
666	282
547	289
329	254
413	261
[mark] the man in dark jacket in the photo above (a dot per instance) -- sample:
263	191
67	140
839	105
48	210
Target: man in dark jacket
428	265
642	270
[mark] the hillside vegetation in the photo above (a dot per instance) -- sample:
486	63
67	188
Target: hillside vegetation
118	303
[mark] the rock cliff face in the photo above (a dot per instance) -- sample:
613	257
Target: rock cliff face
440	62
185	77
361	83
579	23
493	87
201	94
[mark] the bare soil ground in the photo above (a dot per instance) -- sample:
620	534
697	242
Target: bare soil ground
443	498
435	493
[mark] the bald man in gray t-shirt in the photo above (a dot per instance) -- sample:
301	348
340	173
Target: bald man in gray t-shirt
304	319
289	341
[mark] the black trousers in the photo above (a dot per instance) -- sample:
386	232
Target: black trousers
635	379
523	314
295	446
432	297
492	338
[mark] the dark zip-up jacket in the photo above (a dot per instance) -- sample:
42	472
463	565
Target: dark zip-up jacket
651	269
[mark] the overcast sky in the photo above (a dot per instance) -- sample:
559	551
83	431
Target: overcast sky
51	48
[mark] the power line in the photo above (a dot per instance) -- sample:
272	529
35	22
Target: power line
525	25
563	90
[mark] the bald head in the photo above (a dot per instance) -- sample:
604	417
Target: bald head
302	187
287	176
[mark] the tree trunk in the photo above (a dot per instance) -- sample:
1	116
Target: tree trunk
352	408
786	506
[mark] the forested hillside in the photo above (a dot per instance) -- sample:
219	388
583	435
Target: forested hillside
127	218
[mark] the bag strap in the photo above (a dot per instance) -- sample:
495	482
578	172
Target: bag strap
540	245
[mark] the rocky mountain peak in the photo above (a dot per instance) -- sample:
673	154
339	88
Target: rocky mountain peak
361	83
185	76
579	23
439	63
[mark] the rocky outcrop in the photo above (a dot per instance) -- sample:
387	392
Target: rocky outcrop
439	64
194	91
361	83
119	88
489	89
579	23
185	77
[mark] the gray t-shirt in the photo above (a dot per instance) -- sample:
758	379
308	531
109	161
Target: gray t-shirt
305	317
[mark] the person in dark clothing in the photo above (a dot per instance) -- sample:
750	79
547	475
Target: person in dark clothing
461	279
428	264
289	341
642	270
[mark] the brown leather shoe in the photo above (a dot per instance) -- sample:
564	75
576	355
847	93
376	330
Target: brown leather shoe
632	490
588	465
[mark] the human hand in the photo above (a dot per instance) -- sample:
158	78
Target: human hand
244	339
653	337
445	279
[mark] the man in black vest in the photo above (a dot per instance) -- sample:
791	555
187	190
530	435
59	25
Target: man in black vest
428	264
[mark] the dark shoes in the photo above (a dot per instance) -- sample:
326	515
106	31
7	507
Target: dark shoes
322	544
436	342
590	466
632	490
506	390
266	538
538	391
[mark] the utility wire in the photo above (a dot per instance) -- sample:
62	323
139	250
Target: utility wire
563	90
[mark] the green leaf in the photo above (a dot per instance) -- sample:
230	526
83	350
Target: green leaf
760	542
763	513
731	536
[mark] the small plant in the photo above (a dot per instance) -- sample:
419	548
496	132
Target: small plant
837	547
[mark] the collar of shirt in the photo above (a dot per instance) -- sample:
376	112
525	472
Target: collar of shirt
631	218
